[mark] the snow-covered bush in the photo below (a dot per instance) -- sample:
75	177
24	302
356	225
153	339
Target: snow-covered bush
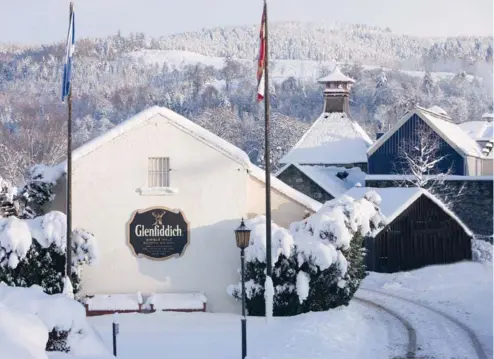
33	244
32	252
318	263
84	252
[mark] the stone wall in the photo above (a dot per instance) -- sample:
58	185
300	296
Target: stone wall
293	177
474	205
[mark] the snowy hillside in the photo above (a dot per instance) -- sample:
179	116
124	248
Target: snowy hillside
309	70
118	76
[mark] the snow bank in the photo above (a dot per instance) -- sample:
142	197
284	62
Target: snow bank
55	311
481	251
27	315
16	324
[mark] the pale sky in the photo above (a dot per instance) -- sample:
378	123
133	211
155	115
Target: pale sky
45	21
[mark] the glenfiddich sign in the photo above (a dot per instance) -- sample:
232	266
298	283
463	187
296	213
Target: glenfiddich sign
158	233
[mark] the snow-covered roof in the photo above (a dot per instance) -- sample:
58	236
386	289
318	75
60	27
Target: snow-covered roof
479	130
395	200
173	118
336	76
334	138
283	188
397	177
438	110
488	116
448	131
325	177
200	134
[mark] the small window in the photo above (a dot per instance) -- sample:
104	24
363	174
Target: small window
159	172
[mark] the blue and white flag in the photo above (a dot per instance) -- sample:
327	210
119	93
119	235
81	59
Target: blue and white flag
67	66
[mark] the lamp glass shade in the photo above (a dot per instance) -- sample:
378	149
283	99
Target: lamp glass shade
242	236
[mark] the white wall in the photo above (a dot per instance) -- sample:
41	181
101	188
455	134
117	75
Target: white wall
284	210
214	192
211	195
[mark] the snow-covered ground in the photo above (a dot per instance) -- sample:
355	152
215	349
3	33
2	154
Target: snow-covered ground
343	333
283	69
463	291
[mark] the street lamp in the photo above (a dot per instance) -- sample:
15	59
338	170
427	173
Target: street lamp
242	236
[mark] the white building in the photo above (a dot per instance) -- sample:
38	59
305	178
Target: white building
160	159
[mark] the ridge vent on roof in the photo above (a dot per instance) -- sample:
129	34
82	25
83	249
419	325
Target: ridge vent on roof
439	115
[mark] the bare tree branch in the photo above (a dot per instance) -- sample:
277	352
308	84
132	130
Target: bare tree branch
419	160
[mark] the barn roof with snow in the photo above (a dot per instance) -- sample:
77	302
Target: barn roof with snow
327	178
334	138
479	130
395	200
450	132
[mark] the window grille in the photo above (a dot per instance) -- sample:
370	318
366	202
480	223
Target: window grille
159	172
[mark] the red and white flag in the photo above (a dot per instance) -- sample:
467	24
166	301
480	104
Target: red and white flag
262	57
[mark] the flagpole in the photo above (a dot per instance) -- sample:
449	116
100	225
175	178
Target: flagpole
266	148
68	256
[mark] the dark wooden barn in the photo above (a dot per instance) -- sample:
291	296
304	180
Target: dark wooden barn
420	231
461	154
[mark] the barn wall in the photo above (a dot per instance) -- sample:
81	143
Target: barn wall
296	179
422	235
385	160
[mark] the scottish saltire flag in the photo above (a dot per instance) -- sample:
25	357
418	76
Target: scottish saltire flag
69	51
262	57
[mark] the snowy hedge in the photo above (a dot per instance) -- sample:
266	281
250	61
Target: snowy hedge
32	252
33	244
317	264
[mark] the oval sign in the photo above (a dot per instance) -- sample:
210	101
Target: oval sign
158	233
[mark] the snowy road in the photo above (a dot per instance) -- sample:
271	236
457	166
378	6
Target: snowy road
402	338
438	335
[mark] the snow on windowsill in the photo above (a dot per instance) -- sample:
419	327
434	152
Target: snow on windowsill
157	191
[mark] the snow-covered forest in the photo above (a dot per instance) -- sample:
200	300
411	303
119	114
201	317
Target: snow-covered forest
209	77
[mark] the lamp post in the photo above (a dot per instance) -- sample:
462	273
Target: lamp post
242	236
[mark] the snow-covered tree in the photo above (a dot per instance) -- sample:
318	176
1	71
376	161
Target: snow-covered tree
428	85
421	163
318	263
33	243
